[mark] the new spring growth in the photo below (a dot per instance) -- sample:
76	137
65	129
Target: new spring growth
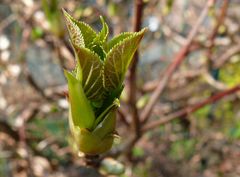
96	82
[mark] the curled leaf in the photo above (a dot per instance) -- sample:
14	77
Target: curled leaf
81	111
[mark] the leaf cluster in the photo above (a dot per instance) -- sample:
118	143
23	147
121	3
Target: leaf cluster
101	64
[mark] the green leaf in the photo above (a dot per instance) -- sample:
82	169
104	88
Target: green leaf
92	144
99	50
80	109
104	32
116	40
100	40
107	126
84	31
118	60
109	98
102	116
74	31
90	73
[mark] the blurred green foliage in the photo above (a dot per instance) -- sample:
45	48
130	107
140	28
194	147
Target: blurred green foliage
182	149
138	152
37	33
230	74
54	16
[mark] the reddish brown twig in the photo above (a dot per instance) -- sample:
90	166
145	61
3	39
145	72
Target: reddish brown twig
132	74
122	117
179	57
191	109
220	21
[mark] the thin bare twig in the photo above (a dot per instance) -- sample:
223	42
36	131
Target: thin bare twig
122	117
179	57
213	82
132	74
189	74
191	109
220	60
7	21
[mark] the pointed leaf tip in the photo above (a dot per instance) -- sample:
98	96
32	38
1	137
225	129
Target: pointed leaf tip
73	29
81	33
103	34
105	30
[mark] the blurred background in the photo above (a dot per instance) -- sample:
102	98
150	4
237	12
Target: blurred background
34	49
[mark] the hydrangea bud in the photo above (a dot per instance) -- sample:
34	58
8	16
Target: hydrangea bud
96	83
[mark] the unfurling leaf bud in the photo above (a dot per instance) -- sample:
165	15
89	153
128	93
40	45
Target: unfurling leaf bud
96	83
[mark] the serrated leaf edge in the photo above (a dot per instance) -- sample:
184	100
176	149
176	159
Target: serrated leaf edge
101	69
116	46
70	20
80	22
131	33
128	38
